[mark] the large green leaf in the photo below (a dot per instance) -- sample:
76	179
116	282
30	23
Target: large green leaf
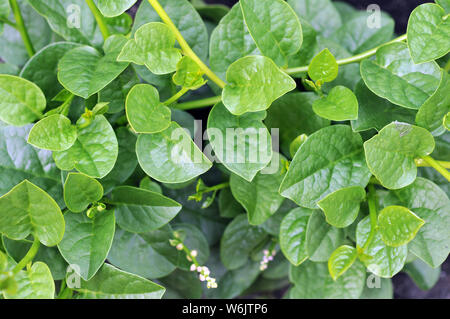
312	281
145	113
94	152
153	46
422	274
341	260
260	197
275	28
428	33
394	76
293	235
241	143
34	283
22	101
330	159
80	190
87	241
54	133
390	154
27	209
113	8
431	204
380	259
139	210
84	71
238	242
112	283
383	290
254	82
339	105
229	207
171	156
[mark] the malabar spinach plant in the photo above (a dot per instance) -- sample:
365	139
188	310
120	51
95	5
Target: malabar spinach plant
334	179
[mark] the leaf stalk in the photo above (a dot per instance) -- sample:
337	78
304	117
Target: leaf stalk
20	25
28	257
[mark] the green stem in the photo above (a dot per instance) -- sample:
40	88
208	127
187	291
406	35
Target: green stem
184	45
422	163
447	66
4	20
353	59
373	216
198	103
99	18
215	188
20	24
437	166
176	96
29	256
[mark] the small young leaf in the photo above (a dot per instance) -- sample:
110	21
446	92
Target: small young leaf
340	105
341	260
342	206
323	67
34	283
113	8
398	225
153	46
188	75
295	145
254	82
54	133
145	113
80	190
390	154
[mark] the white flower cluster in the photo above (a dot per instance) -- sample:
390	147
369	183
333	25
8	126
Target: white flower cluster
267	258
204	273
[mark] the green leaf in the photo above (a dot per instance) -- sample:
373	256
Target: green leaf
188	75
230	41
132	253
431	204
398	225
139	210
342	206
34	283
80	190
22	101
153	46
341	260
254	82
422	274
380	288
84	71
434	109
339	105
182	284
380	259
428	33
4	8
323	67
274	39
87	241
241	143
94	152
171	156
26	209
313	281
113	8
321	238
145	113
235	282
229	207
296	143
54	133
390	154
42	68
112	283
238	242
321	14
330	159
260	197
444	4
375	112
293	235
394	76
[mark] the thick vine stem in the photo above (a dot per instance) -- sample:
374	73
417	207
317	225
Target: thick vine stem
29	256
353	59
372	199
422	163
184	45
437	166
20	25
198	103
99	18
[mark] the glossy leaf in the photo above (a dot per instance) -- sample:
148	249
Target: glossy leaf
113	8
339	105
54	133
80	190
34	283
341	260
188	75
422	274
390	154
323	67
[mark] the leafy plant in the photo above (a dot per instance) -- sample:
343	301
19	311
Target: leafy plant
324	169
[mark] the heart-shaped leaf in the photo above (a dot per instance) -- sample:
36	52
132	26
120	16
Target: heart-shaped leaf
145	113
26	210
113	8
54	133
80	190
254	82
34	283
188	75
323	67
390	154
153	46
87	241
339	105
341	260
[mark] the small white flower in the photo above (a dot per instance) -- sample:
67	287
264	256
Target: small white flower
180	246
266	252
194	253
201	277
193	267
199	269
